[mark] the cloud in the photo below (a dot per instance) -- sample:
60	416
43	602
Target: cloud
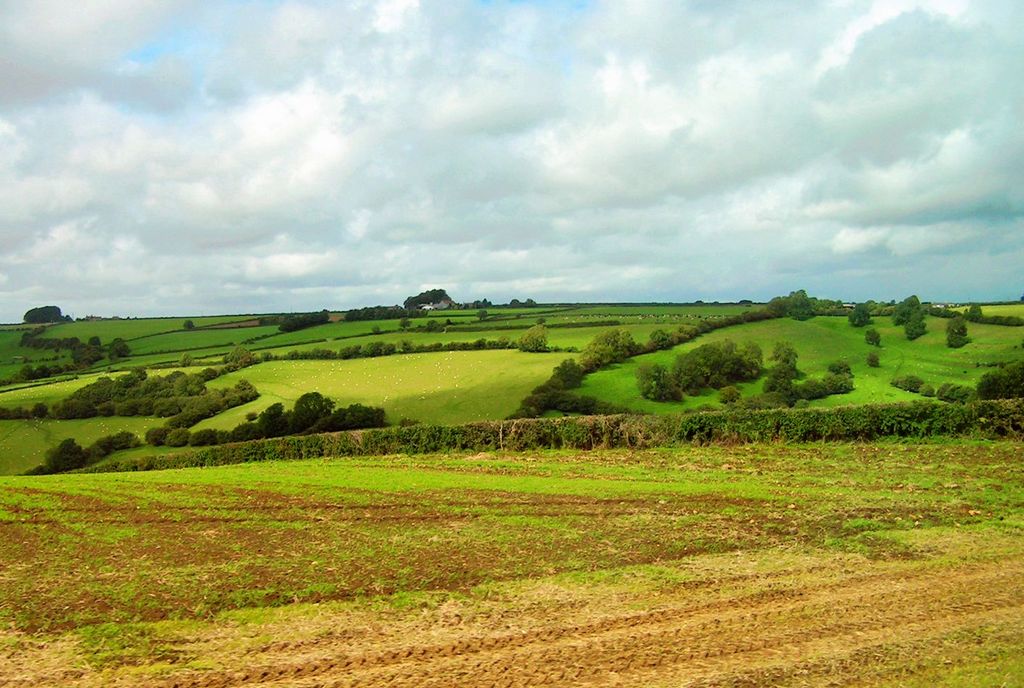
180	157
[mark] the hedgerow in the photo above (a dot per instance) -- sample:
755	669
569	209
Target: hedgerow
918	419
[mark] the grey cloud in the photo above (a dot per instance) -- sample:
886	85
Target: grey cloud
299	155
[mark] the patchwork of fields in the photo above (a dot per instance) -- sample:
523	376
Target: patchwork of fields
456	387
870	564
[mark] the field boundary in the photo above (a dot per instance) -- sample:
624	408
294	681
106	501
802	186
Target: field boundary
918	419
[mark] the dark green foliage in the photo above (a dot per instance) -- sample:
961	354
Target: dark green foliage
203	438
43	314
118	349
1003	418
872	359
308	410
729	394
909	383
433	326
958	394
293	323
861	315
656	383
426	297
188	325
838	383
872	337
660	339
105	446
926	390
534	339
66	456
974	313
177	438
568	373
840	368
240	357
914	327
956	333
352	417
799	307
273	422
1004	383
716	365
905	309
157	436
613	346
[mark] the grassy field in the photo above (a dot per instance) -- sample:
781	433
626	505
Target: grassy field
822	340
23	443
455	387
867	564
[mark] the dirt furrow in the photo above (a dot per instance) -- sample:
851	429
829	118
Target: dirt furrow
767	622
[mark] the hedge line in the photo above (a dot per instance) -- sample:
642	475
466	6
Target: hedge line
918	419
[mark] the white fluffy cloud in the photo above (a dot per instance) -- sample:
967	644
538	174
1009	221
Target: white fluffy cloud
177	157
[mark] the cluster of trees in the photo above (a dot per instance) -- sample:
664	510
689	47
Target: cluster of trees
69	455
426	297
312	413
45	314
947	391
713	365
300	321
183	399
956	333
910	314
534	340
975	315
615	346
555	395
376	349
1006	382
381	313
83	354
799	306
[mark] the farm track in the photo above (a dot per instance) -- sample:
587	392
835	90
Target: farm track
829	628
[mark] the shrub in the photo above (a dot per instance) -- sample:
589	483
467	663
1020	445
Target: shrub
729	394
656	383
177	437
1004	383
909	383
203	438
534	339
927	390
872	360
840	368
956	333
872	337
958	394
157	436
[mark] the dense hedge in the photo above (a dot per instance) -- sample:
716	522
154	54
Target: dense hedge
919	419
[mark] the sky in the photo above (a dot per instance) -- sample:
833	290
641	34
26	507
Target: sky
200	157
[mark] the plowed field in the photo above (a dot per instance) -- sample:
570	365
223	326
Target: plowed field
882	565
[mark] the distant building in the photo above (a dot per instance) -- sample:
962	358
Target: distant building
442	305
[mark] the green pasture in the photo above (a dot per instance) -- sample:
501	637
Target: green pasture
446	387
820	341
187	340
1016	309
692	311
23	443
128	330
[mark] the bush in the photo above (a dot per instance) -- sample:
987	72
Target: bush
956	333
872	337
872	360
908	383
957	394
729	394
1004	383
177	437
840	368
157	436
656	383
1003	418
203	438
